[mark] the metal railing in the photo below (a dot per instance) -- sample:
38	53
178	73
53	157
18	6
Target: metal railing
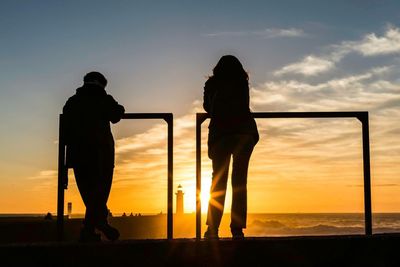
63	170
360	115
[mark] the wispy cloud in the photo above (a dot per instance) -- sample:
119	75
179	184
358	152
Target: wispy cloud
274	32
310	65
226	33
376	185
369	45
366	90
373	45
266	33
44	175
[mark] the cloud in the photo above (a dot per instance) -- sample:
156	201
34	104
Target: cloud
369	45
45	175
373	45
374	185
266	33
43	181
226	33
360	91
274	32
309	66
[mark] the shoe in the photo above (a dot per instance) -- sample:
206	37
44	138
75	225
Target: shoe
87	236
110	232
211	234
237	234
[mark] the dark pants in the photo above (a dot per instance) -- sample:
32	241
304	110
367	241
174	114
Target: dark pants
94	184
240	147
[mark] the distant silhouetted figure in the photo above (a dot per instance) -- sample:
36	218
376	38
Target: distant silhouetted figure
90	150
232	132
48	216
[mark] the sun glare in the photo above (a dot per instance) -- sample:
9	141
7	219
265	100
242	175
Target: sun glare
205	197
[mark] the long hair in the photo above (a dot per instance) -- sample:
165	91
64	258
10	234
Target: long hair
229	67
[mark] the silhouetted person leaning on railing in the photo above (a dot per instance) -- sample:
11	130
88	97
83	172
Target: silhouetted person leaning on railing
90	151
232	132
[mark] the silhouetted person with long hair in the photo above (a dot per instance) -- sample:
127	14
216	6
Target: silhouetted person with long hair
90	150
232	133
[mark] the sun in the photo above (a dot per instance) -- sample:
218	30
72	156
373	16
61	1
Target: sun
205	197
190	196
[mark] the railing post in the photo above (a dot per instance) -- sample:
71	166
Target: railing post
367	173
169	119
62	180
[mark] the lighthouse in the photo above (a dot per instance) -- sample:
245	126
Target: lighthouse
69	209
179	201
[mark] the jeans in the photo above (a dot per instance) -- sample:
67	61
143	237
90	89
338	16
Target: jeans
94	184
240	147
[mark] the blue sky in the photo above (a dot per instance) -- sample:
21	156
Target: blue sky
301	55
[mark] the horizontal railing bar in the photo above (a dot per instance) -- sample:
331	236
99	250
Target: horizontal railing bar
324	114
147	116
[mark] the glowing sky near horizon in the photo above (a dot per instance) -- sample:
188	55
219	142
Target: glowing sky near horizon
301	56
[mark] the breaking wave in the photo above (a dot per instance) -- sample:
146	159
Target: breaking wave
277	228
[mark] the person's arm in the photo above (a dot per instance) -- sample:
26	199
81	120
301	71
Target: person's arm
206	100
67	107
247	97
67	124
115	110
208	95
67	114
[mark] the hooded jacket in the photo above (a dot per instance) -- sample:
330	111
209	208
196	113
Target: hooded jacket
87	116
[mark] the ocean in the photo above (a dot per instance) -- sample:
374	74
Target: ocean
319	224
299	224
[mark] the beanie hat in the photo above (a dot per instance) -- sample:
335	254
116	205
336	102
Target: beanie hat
95	77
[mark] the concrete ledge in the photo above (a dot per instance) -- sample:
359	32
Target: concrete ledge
376	250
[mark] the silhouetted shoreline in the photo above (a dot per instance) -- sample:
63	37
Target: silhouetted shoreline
34	228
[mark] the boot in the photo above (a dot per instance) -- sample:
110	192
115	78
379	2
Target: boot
110	232
211	234
237	233
89	235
